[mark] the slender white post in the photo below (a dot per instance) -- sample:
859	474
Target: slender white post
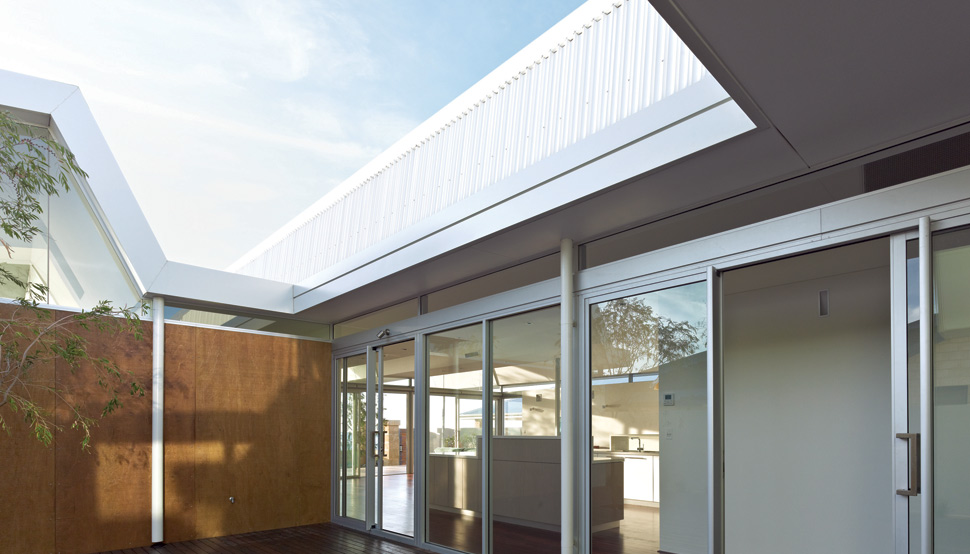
568	421
158	419
926	384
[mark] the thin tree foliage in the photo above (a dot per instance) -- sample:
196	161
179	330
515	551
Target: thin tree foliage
632	338
33	339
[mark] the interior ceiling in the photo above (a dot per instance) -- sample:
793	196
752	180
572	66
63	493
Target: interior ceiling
826	81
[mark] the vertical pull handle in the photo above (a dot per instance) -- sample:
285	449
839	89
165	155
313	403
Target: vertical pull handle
914	461
383	442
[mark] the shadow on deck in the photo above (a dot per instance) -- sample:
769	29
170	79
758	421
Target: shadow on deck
307	539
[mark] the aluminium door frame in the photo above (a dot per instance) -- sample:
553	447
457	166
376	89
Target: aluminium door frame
938	218
881	213
583	304
337	431
375	352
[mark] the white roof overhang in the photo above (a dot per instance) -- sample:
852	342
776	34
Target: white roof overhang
692	120
63	109
824	83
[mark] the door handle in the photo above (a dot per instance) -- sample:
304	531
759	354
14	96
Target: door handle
383	441
914	462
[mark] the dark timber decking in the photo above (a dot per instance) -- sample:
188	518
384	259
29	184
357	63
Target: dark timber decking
308	539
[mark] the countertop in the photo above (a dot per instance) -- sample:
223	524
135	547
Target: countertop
606	454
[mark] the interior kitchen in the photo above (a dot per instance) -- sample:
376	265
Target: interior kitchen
647	417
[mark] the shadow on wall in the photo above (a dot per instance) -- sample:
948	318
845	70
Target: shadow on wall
247	416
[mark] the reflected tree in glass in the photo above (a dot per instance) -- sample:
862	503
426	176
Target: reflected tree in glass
631	337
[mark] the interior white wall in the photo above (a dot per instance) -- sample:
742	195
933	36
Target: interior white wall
539	416
630	409
807	413
683	456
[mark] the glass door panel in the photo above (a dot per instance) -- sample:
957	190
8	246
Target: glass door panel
912	427
951	382
648	358
454	463
395	391
525	446
352	448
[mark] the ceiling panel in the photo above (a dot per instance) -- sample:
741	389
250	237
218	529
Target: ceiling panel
838	79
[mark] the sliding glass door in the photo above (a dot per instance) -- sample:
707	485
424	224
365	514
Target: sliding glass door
648	421
454	452
941	523
395	422
525	448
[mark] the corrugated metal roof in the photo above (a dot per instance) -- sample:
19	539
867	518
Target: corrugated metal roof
614	65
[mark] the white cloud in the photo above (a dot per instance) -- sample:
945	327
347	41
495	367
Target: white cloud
226	118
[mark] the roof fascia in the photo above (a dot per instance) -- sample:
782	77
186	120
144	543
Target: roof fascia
681	125
106	190
215	289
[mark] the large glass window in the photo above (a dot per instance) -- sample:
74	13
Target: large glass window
454	463
525	448
70	254
648	358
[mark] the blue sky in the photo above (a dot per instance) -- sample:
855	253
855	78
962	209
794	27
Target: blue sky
229	118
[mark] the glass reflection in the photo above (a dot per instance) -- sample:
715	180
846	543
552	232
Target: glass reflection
353	435
525	449
454	490
642	349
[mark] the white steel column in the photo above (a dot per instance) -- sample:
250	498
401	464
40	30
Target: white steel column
488	371
158	419
568	421
926	384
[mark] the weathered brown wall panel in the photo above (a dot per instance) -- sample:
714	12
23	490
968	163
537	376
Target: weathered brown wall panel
27	481
103	497
246	416
262	432
180	361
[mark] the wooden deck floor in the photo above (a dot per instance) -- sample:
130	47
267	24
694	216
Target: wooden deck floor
323	538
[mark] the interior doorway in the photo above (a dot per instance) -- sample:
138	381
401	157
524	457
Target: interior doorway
807	403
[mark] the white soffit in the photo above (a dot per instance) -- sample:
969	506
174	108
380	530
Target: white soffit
217	289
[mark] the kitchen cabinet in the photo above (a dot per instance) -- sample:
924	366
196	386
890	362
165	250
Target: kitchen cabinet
641	477
525	484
